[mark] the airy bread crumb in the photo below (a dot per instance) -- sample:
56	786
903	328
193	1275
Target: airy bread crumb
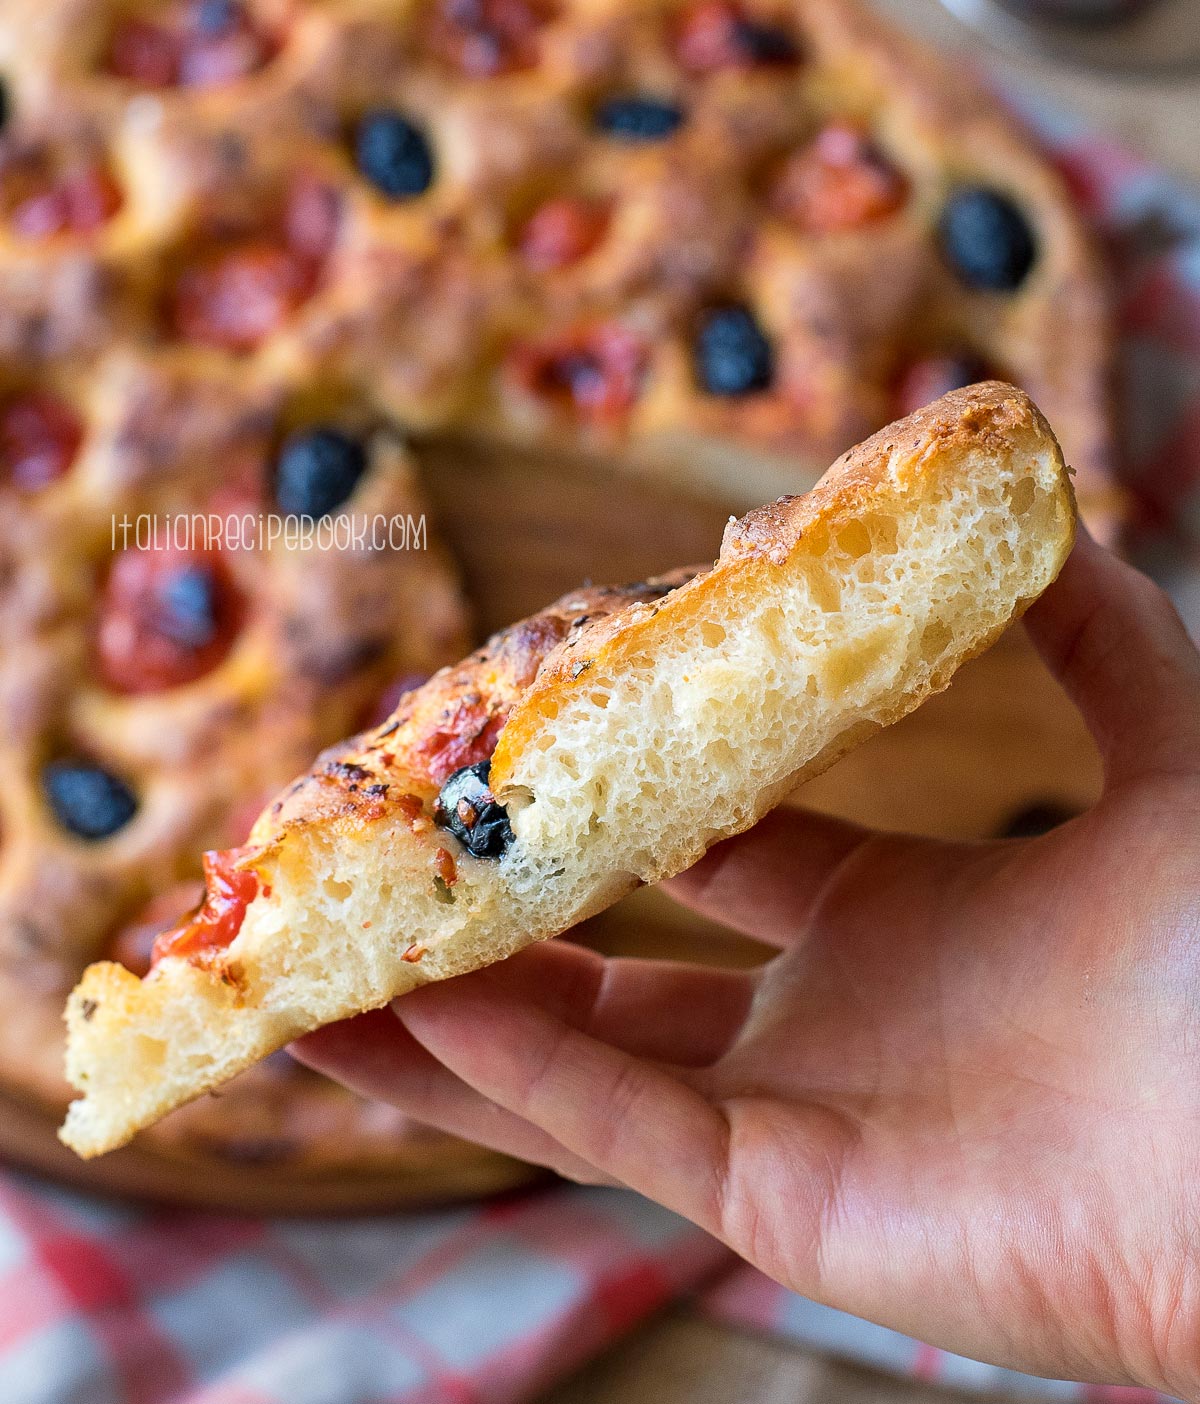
645	735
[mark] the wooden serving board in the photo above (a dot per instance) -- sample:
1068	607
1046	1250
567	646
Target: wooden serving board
526	528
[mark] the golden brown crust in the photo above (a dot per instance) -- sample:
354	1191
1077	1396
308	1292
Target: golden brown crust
822	620
312	659
417	311
982	418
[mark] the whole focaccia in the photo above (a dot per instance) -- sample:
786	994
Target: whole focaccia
717	241
606	741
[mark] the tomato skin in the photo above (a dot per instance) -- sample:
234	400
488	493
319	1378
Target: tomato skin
485	38
466	737
715	35
144	53
311	216
595	371
166	618
40	201
233	298
560	233
927	379
229	890
839	182
39	440
92	198
234	295
188	45
133	944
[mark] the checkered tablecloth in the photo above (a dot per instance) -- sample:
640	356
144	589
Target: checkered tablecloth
109	1305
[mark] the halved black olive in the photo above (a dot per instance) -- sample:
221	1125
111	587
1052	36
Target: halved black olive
189	607
87	800
317	471
467	808
731	352
394	154
764	43
986	239
638	118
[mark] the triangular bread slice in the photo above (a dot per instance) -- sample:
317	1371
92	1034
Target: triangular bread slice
626	729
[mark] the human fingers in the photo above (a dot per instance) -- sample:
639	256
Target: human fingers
375	1056
1116	643
634	1120
765	882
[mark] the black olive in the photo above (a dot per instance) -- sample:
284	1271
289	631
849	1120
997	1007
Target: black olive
466	807
986	239
764	43
189	607
317	471
1036	819
731	354
87	800
393	154
638	118
216	17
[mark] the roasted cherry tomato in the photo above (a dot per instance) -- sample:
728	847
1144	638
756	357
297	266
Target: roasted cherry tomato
195	44
229	890
927	379
597	371
840	181
166	618
133	944
311	215
482	38
466	736
39	438
39	201
236	296
561	232
716	34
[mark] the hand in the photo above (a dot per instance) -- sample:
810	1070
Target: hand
964	1098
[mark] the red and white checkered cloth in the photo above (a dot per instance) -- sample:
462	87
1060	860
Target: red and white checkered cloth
108	1305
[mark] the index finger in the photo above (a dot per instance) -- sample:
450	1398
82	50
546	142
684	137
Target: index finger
1118	646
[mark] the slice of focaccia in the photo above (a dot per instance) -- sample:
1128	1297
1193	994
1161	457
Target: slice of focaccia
605	742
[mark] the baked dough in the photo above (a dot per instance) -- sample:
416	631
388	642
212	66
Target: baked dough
627	730
190	269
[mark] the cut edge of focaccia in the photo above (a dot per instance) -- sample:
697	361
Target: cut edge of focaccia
646	733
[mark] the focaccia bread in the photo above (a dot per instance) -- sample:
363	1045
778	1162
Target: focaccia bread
716	241
605	742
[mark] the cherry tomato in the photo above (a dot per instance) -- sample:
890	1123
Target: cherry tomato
167	617
840	181
483	38
561	232
197	44
229	890
597	371
235	297
925	380
39	201
716	34
39	438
